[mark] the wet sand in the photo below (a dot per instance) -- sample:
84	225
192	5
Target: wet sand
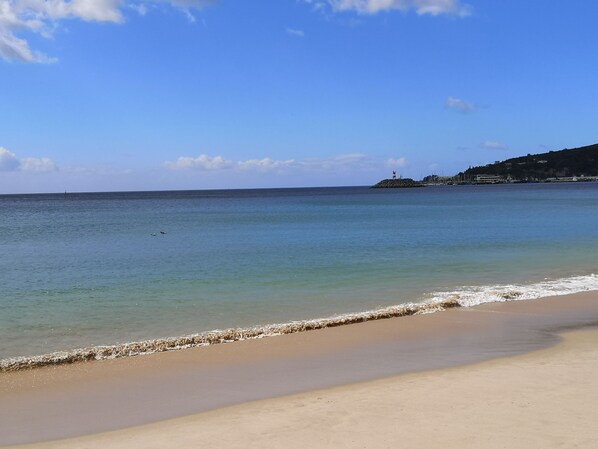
87	398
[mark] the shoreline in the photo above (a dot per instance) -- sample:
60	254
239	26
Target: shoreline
104	396
214	337
438	302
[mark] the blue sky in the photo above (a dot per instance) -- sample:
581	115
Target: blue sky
100	95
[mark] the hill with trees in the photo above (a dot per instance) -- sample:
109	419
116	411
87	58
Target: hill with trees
576	162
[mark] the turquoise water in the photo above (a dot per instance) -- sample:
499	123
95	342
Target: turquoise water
84	269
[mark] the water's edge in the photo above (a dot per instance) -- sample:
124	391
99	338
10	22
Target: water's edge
466	297
215	337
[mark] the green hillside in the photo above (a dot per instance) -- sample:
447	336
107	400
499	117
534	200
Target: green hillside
581	161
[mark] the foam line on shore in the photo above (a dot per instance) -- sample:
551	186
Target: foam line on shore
217	336
439	301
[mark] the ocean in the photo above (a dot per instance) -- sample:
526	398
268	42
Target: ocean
84	270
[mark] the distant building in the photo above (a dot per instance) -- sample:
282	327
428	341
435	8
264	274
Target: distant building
489	179
439	180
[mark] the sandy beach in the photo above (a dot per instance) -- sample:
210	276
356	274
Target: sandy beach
545	399
450	379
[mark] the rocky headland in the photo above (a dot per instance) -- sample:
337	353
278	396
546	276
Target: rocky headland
402	183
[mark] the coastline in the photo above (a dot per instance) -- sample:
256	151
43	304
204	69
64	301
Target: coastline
105	396
438	302
217	336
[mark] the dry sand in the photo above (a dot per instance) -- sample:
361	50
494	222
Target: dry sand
545	399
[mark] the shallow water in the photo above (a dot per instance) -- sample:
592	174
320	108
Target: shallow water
84	269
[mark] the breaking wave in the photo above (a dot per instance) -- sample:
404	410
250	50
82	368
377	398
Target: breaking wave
474	296
436	302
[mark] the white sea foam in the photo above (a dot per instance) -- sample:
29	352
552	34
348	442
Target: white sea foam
439	301
473	296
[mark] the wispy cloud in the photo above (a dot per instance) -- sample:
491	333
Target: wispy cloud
96	170
204	162
493	145
42	17
140	9
317	5
459	105
421	7
201	162
10	162
196	4
33	164
396	162
294	32
265	164
340	162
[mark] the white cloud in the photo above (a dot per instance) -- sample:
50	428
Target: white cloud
10	162
39	16
185	6
32	164
460	105
36	14
397	163
421	7
265	164
95	10
294	32
208	163
42	16
493	145
202	162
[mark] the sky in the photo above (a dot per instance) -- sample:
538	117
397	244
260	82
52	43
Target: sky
113	95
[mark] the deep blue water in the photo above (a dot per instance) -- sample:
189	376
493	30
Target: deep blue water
85	269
